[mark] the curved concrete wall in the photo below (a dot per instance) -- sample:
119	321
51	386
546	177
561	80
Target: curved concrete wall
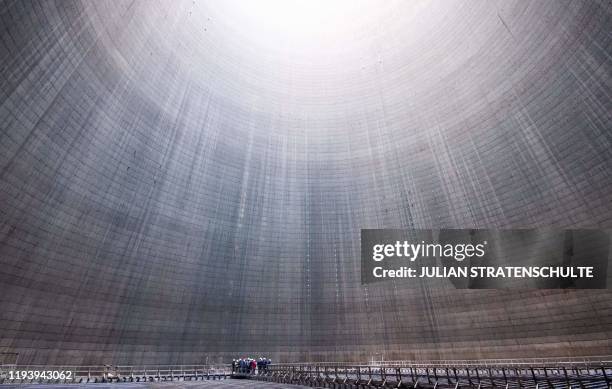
177	188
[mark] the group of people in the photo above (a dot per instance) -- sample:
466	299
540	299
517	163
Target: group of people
250	365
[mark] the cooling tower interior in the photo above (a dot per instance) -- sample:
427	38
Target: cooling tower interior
186	181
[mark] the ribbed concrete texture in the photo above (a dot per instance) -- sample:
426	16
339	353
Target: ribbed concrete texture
185	182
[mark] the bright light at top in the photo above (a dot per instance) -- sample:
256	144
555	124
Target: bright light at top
292	16
304	23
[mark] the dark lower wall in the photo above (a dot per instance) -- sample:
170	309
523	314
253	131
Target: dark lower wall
172	191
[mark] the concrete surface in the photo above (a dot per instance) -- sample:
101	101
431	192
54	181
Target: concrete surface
180	186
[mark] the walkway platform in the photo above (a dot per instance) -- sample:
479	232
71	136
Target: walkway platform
448	376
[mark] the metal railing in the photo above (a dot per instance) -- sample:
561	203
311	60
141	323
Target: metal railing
559	361
497	374
16	374
534	373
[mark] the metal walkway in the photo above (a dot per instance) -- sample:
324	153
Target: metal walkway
561	375
35	374
483	374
